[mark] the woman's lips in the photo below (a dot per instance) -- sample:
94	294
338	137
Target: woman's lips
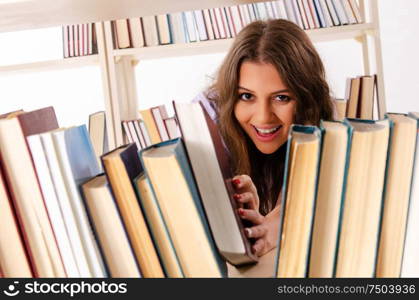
267	134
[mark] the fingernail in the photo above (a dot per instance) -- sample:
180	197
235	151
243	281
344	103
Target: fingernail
237	196
248	232
241	212
236	181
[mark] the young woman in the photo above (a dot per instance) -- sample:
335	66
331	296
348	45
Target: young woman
271	78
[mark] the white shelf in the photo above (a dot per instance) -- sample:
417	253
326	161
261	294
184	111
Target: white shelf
31	14
217	46
65	63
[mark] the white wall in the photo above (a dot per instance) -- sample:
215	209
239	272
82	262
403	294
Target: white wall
163	80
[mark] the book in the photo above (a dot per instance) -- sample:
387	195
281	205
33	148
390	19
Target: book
25	190
177	28
333	13
97	133
122	33
171	178
298	201
144	132
13	258
151	126
52	205
290	11
353	94
190	25
361	216
208	24
311	14
136	32
330	192
69	217
410	262
158	228
214	24
340	108
349	12
397	194
151	36
77	163
325	10
122	165
303	14
159	114
210	166
200	25
356	11
366	98
172	127
109	228
340	11
319	12
163	29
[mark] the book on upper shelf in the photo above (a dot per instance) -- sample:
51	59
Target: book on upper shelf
79	40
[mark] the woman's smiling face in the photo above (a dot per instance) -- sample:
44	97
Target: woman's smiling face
266	107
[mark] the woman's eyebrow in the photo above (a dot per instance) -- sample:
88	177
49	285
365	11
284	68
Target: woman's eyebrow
276	92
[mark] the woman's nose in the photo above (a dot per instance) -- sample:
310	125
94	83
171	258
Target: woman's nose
263	113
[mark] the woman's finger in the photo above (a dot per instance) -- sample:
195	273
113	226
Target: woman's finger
258	247
246	198
256	231
252	215
244	182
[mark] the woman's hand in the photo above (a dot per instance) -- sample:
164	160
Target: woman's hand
265	228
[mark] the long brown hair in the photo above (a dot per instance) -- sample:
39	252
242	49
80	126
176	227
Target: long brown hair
287	47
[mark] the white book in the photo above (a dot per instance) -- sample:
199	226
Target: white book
340	11
333	13
327	17
190	25
122	33
70	41
314	15
200	25
303	14
65	41
270	10
94	258
214	24
410	262
208	24
163	29
275	10
76	40
85	40
236	17
224	19
293	4
178	29
145	133
136	30
151	37
139	134
282	10
244	12
320	13
261	11
349	13
133	132
310	17
252	12
52	205
63	198
356	11
290	11
90	29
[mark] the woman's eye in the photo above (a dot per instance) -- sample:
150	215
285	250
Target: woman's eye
282	98
245	96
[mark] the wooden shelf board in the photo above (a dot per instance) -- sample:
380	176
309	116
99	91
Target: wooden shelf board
219	46
73	62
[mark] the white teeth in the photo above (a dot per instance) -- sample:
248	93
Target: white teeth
266	131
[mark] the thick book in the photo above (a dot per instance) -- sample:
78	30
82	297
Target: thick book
110	230
362	209
353	94
330	195
163	29
366	97
151	36
209	160
158	227
136	32
168	169
298	201
122	33
153	120
78	163
410	262
122	166
25	191
397	194
13	259
340	106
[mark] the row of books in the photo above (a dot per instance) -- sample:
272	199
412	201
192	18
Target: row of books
79	40
226	22
349	206
361	99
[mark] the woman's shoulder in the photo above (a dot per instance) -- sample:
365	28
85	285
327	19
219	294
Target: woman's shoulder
209	105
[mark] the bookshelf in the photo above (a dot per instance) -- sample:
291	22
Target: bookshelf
117	66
